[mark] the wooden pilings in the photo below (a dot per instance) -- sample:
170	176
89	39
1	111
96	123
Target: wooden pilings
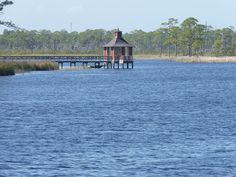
118	65
60	65
72	64
98	64
84	63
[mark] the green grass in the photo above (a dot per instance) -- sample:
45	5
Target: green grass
10	68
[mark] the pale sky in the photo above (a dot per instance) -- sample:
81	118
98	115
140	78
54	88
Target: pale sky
128	15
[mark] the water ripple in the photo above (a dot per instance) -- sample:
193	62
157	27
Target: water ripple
160	119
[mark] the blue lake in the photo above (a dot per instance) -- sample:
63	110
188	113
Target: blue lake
159	119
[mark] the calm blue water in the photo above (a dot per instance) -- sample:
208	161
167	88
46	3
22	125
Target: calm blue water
160	119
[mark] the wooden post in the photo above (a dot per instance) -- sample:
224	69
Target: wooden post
113	53
123	51
105	52
130	51
108	53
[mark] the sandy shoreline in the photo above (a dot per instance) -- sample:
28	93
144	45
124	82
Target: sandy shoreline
194	59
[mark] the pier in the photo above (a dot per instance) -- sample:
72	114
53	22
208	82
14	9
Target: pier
90	61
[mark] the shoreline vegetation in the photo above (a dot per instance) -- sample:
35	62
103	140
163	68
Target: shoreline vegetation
186	59
11	68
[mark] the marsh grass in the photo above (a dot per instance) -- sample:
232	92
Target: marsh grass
194	59
205	59
10	68
6	69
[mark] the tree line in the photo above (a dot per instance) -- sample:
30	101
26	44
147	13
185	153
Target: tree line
172	38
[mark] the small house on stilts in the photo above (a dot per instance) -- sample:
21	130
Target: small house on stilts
118	52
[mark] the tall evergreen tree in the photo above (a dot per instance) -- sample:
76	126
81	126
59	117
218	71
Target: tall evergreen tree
168	29
188	33
175	37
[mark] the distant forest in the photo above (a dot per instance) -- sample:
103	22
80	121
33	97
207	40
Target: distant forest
186	39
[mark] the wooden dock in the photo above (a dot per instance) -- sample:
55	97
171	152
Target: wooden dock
92	61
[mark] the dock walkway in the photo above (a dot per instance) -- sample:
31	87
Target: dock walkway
93	61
